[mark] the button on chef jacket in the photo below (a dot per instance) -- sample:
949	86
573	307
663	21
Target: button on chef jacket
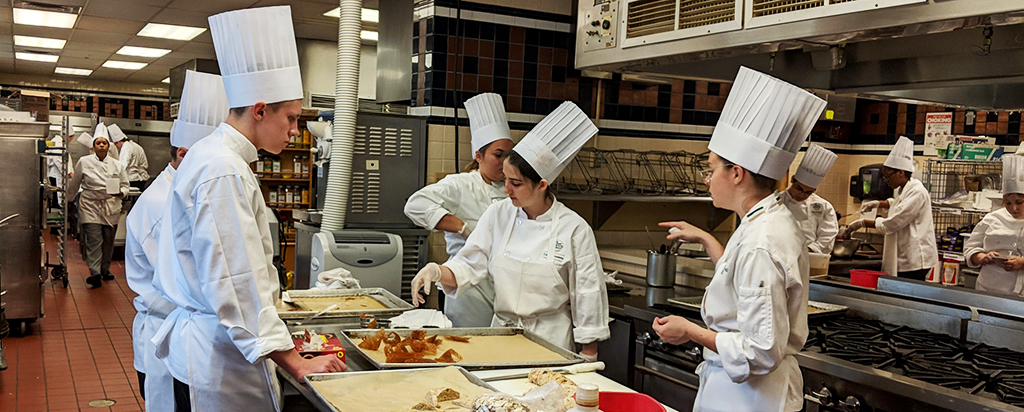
910	221
579	312
998	231
466	196
95	205
817	219
215	238
140	257
757	303
133	158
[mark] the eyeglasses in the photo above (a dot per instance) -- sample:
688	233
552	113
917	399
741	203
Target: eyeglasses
706	173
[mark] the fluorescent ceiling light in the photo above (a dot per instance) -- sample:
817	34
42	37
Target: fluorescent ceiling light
76	72
368	35
142	51
36	57
114	64
40	42
369	15
170	31
166	80
31	17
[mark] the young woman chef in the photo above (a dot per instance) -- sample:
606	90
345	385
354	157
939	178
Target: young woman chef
996	243
454	204
756	304
103	183
910	250
541	256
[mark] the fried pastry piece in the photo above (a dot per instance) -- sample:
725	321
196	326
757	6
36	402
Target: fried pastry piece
423	406
438	395
373	342
458	338
450	356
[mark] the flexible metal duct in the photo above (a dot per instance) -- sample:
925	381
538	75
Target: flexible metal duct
346	103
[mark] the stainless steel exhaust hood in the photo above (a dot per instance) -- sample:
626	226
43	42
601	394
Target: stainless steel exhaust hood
954	52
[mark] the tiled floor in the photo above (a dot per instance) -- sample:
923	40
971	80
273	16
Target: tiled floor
79	352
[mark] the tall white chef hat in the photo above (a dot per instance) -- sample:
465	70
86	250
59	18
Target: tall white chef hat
553	142
487	120
1013	174
1020	150
257	55
902	155
764	123
85	139
116	135
204	105
816	164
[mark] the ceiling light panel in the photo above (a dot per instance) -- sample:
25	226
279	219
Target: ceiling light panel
170	31
142	51
75	72
36	57
114	64
44	18
39	42
166	80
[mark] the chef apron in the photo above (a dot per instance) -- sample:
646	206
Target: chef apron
992	277
218	376
533	295
159	382
890	250
717	391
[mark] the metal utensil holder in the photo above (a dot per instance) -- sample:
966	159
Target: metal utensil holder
661	269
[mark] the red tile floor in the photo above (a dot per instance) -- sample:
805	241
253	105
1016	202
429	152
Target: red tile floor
79	352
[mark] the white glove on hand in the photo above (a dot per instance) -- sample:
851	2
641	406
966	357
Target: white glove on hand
588	358
465	231
429	274
869	206
855	226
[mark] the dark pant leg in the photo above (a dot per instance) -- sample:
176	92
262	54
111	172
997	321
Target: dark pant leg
142	384
92	238
108	247
921	274
182	398
139	184
54	203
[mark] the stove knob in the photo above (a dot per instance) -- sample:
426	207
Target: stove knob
824	396
851	404
646	338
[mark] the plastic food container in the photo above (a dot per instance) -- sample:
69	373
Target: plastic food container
629	402
865	278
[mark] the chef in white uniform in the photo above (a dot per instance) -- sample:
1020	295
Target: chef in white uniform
454	204
215	248
541	256
132	157
204	106
756	304
997	242
910	250
103	184
814	214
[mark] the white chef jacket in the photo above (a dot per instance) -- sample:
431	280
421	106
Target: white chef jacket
504	231
53	162
757	303
133	158
910	221
817	219
94	204
997	231
466	196
140	257
215	243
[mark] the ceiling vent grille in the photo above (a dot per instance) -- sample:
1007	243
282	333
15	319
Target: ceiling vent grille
647	17
768	12
697	13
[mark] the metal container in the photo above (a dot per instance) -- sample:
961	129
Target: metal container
321	403
395	306
570	358
661	269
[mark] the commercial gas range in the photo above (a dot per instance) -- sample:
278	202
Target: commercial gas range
889	353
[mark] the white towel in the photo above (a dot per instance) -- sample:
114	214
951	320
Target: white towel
337	278
418	318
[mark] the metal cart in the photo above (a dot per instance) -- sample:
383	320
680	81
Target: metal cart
59	219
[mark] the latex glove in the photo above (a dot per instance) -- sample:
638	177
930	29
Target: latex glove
429	274
855	226
588	358
465	230
869	206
